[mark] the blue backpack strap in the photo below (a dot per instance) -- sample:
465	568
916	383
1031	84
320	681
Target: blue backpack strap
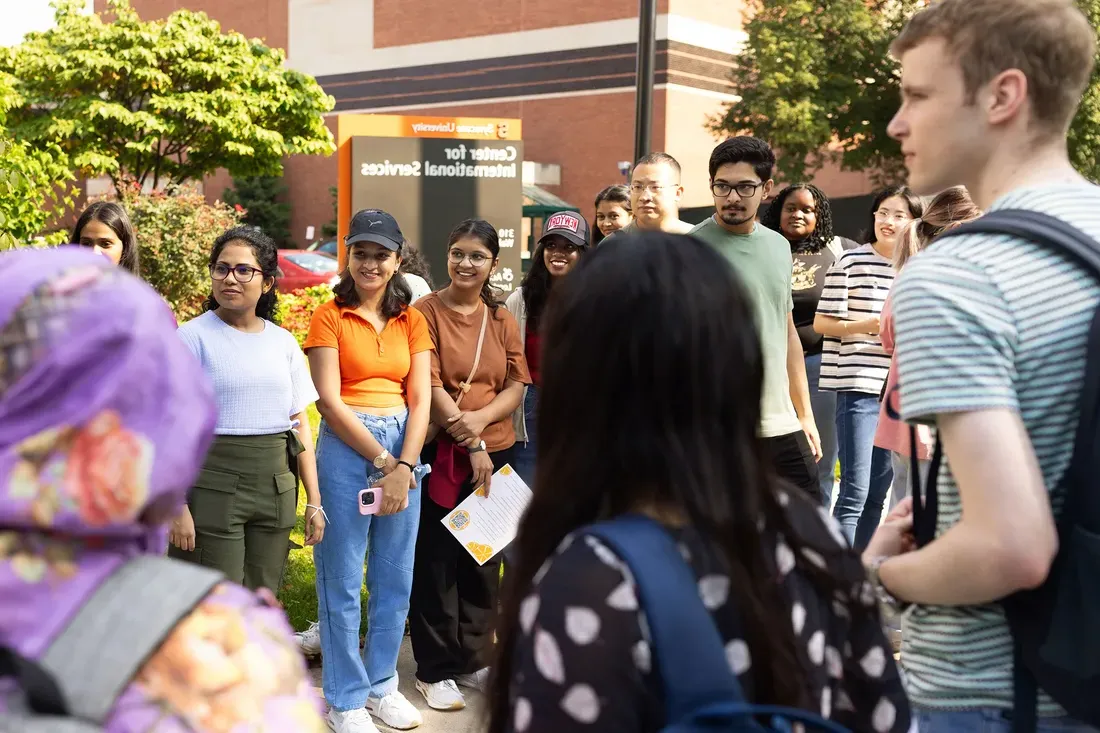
678	621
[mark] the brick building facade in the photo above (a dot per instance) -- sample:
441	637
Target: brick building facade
565	68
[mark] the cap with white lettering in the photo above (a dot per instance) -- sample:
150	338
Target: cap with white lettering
375	225
569	225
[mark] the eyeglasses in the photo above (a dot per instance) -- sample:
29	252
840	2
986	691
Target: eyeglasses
477	259
744	190
651	187
887	216
241	273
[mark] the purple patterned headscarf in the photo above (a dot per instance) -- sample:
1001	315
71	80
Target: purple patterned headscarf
105	418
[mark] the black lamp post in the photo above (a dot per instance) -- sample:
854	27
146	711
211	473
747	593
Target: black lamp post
647	60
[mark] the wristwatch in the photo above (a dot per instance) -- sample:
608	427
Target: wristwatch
381	458
477	448
887	600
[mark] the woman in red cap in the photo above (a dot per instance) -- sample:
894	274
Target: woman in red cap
564	241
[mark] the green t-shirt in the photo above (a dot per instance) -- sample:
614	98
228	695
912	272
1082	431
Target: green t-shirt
763	262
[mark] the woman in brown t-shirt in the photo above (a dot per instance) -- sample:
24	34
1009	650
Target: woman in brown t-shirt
453	598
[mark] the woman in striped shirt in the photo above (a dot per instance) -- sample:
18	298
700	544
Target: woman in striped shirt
853	363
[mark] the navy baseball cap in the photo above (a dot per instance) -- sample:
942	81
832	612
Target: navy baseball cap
569	225
375	225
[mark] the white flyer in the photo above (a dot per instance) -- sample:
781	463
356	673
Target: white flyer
485	525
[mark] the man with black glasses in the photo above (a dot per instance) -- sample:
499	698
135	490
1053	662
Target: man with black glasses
655	193
740	179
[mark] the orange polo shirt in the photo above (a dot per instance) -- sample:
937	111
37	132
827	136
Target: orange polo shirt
373	366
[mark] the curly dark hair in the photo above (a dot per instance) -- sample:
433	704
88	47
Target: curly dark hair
414	262
822	234
267	257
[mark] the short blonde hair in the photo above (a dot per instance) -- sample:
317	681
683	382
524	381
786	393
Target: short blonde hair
1050	41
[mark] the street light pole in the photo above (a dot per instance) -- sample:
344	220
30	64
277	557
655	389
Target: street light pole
647	60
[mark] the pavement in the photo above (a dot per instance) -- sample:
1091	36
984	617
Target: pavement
471	720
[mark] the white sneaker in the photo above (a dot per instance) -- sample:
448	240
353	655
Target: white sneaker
478	680
395	711
351	721
309	641
442	695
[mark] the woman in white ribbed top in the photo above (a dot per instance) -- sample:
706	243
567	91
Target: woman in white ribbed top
244	503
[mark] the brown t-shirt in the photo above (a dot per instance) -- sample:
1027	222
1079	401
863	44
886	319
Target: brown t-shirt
455	338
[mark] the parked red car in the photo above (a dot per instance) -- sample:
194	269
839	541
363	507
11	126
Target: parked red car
299	269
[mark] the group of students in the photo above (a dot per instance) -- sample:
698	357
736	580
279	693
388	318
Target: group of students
666	379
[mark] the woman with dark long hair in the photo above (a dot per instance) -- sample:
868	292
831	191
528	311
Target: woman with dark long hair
801	213
612	211
853	363
663	421
240	512
369	353
105	227
564	241
478	376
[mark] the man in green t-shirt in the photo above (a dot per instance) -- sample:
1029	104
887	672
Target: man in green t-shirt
740	179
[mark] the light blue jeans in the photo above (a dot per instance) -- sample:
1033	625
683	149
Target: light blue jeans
348	677
987	720
865	470
823	405
524	453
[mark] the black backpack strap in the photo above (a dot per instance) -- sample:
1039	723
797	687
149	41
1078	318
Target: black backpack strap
144	599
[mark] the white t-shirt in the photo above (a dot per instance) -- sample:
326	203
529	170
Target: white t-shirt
260	379
418	285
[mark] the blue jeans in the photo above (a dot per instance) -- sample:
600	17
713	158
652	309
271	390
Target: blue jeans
348	677
865	471
523	454
823	405
987	720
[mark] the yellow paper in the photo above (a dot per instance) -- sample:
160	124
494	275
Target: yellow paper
485	525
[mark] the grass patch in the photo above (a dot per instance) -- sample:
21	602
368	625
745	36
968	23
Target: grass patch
299	592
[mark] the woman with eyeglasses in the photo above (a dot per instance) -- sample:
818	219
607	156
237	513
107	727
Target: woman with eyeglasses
564	241
478	376
242	507
853	363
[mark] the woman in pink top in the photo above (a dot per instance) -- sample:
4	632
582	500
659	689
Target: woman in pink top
949	209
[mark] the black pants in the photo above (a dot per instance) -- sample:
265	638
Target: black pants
453	603
793	460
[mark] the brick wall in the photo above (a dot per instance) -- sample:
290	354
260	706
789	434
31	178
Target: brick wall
263	19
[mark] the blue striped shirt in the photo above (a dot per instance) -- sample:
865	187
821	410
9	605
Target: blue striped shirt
987	322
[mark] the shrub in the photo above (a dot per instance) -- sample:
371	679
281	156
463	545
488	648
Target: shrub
176	231
296	309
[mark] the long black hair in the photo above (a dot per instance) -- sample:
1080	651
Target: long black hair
114	216
619	194
267	256
486	234
537	283
912	202
692	450
822	234
394	300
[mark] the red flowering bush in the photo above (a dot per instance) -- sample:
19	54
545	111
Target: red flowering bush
176	230
296	309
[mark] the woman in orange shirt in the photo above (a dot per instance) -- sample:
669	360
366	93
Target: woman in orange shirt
370	357
478	376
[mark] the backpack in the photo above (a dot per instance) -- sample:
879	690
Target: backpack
73	687
702	695
1055	627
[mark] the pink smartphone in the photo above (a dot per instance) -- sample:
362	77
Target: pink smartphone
370	501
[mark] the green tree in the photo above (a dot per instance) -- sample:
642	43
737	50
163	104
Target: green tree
33	182
263	199
162	101
817	81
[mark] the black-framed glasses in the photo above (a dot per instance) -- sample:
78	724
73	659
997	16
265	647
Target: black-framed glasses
241	273
744	190
477	259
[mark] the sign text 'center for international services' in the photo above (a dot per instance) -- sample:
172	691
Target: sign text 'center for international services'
455	167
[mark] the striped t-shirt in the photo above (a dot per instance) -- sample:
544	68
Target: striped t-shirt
987	322
856	287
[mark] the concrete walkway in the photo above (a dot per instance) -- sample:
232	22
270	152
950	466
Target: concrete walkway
470	720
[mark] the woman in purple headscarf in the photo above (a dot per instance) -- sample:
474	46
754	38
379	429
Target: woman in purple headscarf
105	418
